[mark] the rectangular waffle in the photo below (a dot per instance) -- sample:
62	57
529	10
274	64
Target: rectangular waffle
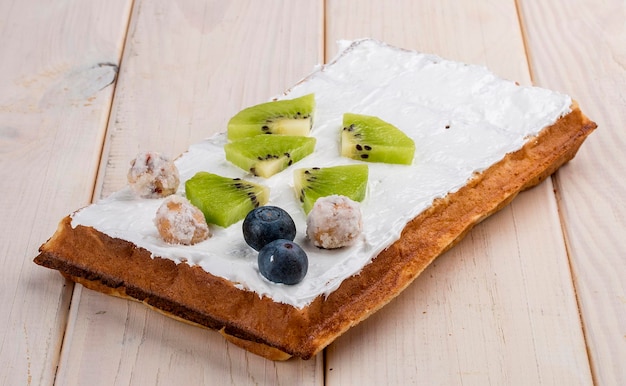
277	328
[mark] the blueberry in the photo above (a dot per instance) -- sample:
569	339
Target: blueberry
265	224
283	261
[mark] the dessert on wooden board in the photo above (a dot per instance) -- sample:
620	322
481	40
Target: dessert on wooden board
407	151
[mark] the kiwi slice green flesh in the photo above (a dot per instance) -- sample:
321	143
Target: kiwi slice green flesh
346	180
369	138
284	117
266	155
224	200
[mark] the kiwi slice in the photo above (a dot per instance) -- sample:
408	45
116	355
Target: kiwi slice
346	180
285	117
266	155
224	200
369	138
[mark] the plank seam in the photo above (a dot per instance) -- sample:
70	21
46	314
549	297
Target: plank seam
324	26
75	288
520	22
96	183
556	190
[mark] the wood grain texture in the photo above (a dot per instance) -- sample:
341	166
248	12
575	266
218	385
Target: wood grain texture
499	308
187	68
584	54
205	61
443	28
59	64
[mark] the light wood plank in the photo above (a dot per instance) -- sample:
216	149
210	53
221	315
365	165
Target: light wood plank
59	61
579	47
192	65
443	28
188	66
484	313
500	307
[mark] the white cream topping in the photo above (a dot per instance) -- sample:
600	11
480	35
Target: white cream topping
462	118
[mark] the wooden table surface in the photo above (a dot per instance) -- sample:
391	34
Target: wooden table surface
534	295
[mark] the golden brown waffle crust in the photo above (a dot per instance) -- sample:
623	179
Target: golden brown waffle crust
278	331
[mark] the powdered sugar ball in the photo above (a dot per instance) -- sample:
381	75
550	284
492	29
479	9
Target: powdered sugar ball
153	175
179	222
334	222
